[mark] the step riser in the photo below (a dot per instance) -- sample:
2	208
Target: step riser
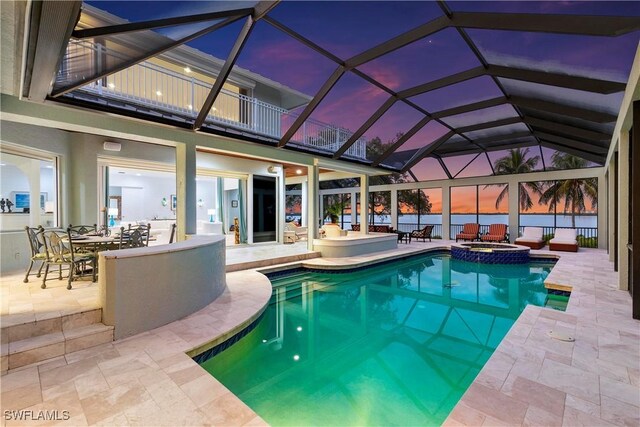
58	324
40	354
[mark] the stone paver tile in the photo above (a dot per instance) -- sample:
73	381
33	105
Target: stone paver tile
573	417
623	392
91	384
204	390
462	415
535	394
536	416
22	397
582	405
113	401
577	382
495	404
619	412
14	380
228	409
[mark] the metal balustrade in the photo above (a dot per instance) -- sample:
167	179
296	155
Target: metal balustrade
159	88
409	227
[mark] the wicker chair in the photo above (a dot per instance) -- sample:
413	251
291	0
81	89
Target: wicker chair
37	250
469	232
423	234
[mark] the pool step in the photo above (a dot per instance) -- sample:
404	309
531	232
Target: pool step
38	341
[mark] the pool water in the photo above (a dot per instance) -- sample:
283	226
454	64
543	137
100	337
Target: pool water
396	344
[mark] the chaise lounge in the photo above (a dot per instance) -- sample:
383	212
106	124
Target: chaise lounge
469	232
496	233
532	238
565	239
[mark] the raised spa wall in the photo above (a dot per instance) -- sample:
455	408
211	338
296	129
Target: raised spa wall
355	244
145	288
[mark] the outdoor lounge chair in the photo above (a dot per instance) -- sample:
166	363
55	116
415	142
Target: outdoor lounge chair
301	232
532	238
423	234
565	239
469	232
496	233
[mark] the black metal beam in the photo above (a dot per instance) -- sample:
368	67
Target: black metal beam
221	78
397	42
150	54
571	142
488	125
588	25
557	79
365	126
443	166
567	129
480	105
317	99
443	82
425	151
565	110
404	138
158	23
305	41
468	163
593	157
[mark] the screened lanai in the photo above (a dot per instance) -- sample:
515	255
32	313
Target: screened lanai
426	89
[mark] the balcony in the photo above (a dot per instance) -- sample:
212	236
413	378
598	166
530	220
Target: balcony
158	88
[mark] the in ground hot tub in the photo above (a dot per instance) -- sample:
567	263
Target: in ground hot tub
490	253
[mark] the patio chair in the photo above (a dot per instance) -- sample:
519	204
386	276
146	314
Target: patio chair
469	232
132	239
83	229
300	232
172	236
37	250
532	238
60	252
496	233
423	234
144	231
564	239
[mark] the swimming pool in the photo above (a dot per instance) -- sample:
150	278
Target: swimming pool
396	344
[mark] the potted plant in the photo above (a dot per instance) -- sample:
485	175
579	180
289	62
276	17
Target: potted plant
334	211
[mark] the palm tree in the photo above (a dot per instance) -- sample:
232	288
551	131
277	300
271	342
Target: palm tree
574	192
516	161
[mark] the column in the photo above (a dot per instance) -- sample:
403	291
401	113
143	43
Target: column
623	210
446	212
602	213
364	204
611	223
312	204
248	203
186	218
394	208
514	208
34	193
304	206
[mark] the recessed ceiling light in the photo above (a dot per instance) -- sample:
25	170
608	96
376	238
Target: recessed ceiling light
187	69
299	171
190	107
111	85
49	167
158	93
214	109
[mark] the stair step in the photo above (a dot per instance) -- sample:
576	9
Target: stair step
48	346
57	324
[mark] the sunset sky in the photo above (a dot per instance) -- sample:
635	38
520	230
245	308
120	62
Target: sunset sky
349	28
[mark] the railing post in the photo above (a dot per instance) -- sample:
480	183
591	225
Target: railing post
254	115
99	65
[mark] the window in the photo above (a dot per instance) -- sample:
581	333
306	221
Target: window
417	208
28	191
479	204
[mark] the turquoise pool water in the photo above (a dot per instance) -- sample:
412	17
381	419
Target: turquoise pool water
396	344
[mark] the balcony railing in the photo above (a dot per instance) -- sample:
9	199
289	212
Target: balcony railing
159	88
